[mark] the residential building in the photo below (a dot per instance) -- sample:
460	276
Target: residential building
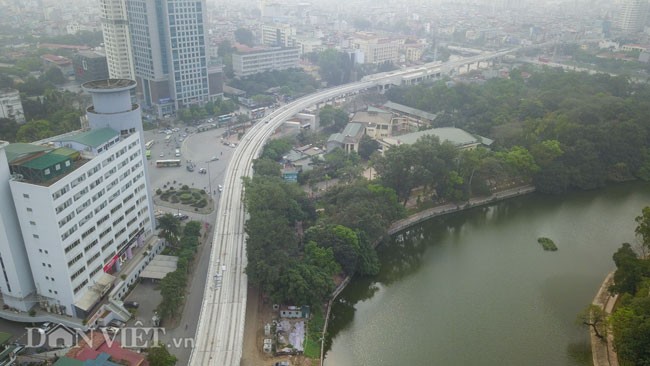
82	206
348	140
117	43
632	15
63	63
169	53
257	61
278	35
11	106
89	66
379	124
308	45
415	116
376	49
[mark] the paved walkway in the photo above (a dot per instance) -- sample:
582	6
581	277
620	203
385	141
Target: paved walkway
603	353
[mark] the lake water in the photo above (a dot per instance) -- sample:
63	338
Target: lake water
475	288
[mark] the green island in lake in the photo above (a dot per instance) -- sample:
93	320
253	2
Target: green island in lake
547	244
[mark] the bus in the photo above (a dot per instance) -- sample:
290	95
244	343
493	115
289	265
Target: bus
168	163
149	144
148	154
225	118
257	113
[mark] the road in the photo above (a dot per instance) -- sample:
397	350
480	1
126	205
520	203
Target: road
219	337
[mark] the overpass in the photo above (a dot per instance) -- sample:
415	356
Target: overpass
219	335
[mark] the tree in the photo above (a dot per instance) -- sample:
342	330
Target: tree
629	270
159	355
266	166
245	36
34	131
594	317
54	75
277	148
170	227
643	227
8	129
367	146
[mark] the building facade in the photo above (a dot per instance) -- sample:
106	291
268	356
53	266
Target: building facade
632	16
89	66
169	52
278	35
11	106
82	202
254	62
117	43
376	49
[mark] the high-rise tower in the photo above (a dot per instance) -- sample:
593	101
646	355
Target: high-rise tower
117	43
169	53
632	16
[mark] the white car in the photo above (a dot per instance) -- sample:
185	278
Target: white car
162	154
220	188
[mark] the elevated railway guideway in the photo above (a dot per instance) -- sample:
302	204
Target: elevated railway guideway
219	335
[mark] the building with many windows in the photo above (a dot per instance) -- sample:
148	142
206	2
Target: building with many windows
376	49
168	40
117	43
278	35
257	61
81	205
11	106
632	15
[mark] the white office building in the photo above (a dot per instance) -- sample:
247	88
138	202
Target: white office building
632	15
278	35
11	106
82	205
117	43
257	61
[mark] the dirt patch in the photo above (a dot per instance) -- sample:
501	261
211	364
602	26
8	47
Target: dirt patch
258	313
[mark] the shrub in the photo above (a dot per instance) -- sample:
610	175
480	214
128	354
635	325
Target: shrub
185	187
186	197
173	199
159	191
33	313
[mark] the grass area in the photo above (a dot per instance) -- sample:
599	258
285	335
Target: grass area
314	334
187	196
547	244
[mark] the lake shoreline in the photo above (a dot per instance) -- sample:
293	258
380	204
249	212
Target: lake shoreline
417	218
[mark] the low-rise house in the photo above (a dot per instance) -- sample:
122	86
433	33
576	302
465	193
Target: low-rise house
463	140
290	311
349	139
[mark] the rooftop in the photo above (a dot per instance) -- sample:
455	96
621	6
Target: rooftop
109	84
455	136
19	149
93	138
45	161
408	110
381	118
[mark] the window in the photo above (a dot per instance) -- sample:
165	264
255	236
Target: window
25	195
81	285
29	209
75	259
91	245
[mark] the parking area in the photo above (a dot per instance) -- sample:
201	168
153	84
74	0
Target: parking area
148	299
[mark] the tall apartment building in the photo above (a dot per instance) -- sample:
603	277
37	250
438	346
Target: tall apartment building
632	15
117	43
11	106
89	66
81	206
169	52
257	61
278	35
376	49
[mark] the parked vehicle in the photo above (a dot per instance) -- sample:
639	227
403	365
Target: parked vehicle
131	304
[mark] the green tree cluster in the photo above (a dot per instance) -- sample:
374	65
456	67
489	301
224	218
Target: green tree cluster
332	119
630	322
292	82
183	244
580	130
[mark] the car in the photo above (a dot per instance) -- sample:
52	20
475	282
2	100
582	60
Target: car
202	171
214	158
162	154
116	323
220	188
233	145
110	330
131	304
181	216
281	363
